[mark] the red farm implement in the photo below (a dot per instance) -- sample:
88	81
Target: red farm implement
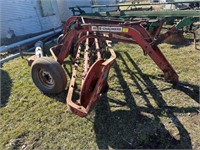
88	41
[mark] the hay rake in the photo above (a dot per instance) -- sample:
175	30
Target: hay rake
88	40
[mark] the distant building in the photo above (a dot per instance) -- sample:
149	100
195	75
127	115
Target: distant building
21	17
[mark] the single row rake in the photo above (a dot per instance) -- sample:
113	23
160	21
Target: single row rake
88	41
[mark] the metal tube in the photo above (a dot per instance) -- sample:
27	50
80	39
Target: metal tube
7	47
14	56
18	54
154	13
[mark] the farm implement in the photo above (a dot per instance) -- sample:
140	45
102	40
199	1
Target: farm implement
88	40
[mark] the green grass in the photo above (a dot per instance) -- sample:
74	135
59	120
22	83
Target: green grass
139	111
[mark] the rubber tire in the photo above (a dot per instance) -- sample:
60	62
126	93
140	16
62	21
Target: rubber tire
56	72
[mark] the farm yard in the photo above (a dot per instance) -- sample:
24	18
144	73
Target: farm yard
139	111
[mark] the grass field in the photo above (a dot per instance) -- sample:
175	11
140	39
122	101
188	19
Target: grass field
140	110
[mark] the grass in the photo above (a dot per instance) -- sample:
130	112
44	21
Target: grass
140	110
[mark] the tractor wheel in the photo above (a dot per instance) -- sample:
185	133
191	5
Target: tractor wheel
48	75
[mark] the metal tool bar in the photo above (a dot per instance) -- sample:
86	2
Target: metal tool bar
72	105
97	49
86	64
140	4
146	14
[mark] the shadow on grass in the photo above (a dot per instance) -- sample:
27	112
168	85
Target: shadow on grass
181	44
190	90
184	43
69	72
60	97
139	127
6	85
178	40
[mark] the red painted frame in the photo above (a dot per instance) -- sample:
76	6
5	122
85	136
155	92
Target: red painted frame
136	33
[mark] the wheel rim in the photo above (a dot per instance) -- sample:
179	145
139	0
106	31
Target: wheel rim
46	78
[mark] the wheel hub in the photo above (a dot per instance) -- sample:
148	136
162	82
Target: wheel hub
46	78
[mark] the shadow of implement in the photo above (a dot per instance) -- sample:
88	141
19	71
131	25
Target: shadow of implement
6	85
130	129
189	89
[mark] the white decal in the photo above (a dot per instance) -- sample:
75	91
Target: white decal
94	28
107	29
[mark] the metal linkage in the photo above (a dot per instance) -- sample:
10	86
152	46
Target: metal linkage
195	40
86	64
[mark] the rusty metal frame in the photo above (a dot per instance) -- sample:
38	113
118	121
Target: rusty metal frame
80	30
88	98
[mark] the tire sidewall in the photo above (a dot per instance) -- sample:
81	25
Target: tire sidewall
56	71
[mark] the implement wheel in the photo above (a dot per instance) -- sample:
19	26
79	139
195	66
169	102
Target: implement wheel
48	75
